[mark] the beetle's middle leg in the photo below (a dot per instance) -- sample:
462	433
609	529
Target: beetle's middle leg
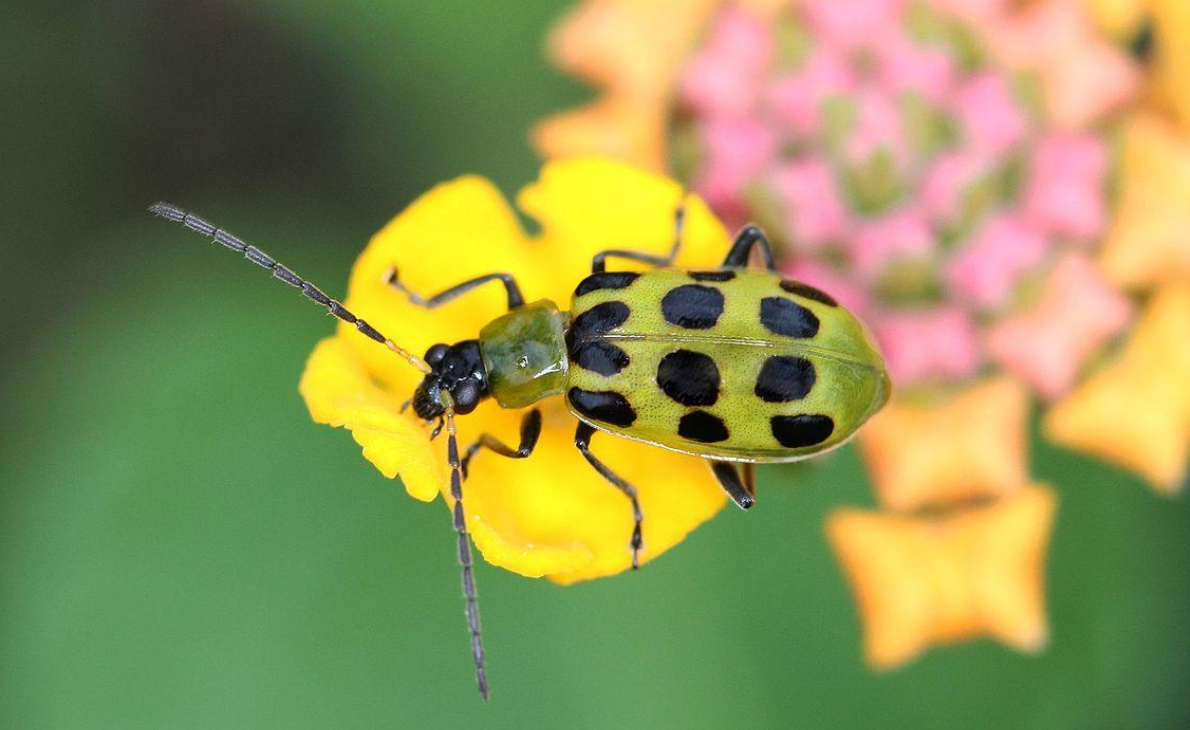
582	439
599	262
741	248
530	432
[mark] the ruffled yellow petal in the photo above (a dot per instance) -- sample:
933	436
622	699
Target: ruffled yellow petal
930	580
1149	240
1171	61
549	515
553	515
632	50
1136	412
456	231
589	205
339	392
970	445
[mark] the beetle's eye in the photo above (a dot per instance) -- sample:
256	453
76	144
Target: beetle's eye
466	397
435	354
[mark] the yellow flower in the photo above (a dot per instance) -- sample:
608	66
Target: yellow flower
972	444
551	514
927	580
1144	396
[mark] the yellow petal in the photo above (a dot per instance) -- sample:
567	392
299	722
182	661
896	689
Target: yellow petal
589	205
339	392
930	580
1150	237
552	514
456	231
1136	411
969	445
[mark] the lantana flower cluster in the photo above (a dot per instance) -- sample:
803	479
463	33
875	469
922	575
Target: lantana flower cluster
1000	188
922	180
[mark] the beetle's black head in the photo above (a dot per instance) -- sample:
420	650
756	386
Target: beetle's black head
458	369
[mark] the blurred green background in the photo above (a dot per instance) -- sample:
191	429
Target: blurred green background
180	547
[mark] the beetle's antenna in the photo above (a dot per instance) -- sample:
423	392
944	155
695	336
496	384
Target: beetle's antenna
460	524
262	259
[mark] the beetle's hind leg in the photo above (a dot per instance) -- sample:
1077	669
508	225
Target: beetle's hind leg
599	262
582	439
741	248
741	488
530	432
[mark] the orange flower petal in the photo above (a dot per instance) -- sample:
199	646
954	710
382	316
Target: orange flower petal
1150	237
1136	412
929	580
1171	62
1117	18
612	127
972	444
632	49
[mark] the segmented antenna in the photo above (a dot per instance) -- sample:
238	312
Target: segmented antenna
262	259
460	524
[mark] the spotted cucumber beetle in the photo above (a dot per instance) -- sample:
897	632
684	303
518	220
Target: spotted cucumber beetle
735	365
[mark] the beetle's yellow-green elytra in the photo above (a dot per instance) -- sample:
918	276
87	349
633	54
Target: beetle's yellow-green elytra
731	363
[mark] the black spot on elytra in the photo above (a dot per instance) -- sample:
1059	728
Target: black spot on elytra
809	292
702	427
783	316
605	406
690	378
784	378
797	432
605	280
712	275
596	322
600	357
692	306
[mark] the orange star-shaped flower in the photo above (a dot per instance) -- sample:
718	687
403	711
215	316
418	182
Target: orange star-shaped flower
1136	411
1149	240
929	580
1171	62
969	445
632	49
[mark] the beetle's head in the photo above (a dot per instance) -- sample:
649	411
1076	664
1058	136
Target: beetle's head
457	369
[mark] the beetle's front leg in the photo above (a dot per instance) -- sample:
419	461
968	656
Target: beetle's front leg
530	432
